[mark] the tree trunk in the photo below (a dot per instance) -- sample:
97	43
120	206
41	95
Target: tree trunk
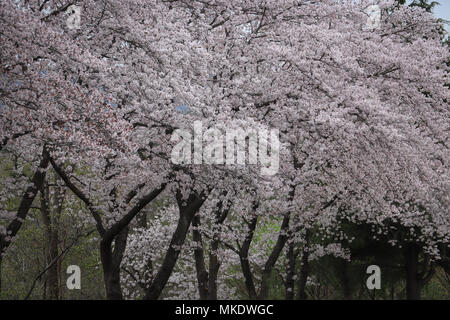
111	277
413	283
221	214
274	255
187	212
290	270
60	279
202	274
214	266
111	261
245	265
52	253
304	271
248	279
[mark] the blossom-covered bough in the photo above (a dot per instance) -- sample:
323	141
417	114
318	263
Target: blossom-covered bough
362	114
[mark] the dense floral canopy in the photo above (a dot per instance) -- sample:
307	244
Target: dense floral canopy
362	113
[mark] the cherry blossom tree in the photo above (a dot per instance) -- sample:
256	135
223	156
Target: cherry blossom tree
362	114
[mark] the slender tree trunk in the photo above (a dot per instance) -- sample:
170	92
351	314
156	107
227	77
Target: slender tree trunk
52	244
59	205
413	283
207	279
214	266
290	271
304	271
214	263
274	255
248	278
245	265
187	212
202	274
60	281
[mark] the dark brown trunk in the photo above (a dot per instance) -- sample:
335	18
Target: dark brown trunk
187	212
304	271
111	261
248	279
202	274
274	255
111	277
413	282
214	266
290	271
243	257
214	263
